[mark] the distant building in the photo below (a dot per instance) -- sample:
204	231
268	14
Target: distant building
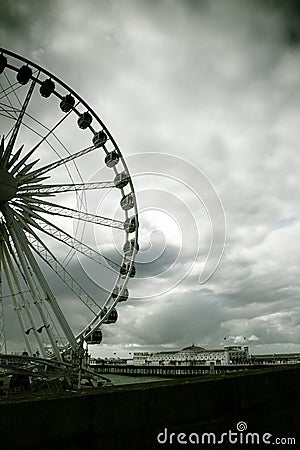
277	358
194	355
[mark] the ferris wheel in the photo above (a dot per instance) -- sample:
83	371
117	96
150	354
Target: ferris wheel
68	216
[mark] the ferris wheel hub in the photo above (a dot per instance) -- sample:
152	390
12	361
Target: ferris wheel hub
8	186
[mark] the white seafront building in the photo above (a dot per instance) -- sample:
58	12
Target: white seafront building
194	355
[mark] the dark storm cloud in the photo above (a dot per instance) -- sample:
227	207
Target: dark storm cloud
24	26
289	12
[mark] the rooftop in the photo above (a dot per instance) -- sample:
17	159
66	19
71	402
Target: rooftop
193	348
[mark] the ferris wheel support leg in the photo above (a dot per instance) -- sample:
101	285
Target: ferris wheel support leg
35	299
20	239
2	325
10	256
7	264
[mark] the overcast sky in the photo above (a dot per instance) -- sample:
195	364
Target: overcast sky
203	98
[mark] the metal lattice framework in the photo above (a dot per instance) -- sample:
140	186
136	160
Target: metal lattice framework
59	165
45	374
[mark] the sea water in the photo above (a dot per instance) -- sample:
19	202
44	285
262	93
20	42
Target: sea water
118	380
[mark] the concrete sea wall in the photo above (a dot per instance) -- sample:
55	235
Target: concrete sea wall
177	412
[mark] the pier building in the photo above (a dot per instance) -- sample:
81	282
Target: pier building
194	355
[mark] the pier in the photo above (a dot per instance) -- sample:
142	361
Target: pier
176	371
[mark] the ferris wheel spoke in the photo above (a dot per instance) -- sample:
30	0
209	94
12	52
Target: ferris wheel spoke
48	257
39	134
10	90
50	208
44	138
16	128
2	146
50	131
37	173
7	115
4	94
15	157
9	112
26	167
21	163
58	188
74	244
